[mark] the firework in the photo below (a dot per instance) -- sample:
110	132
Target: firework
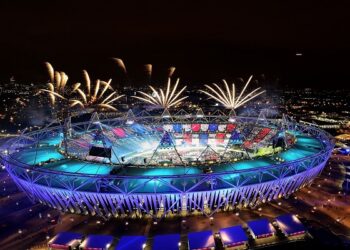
50	70
93	96
148	70
165	99
57	84
120	64
87	81
171	71
227	96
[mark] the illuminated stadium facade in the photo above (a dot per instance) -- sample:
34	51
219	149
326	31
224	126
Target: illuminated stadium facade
165	165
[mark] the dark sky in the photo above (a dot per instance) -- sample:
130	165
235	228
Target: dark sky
206	41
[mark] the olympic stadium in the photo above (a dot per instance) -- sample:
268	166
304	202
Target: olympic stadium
167	164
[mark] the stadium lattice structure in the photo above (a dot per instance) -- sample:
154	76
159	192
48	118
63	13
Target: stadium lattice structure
168	165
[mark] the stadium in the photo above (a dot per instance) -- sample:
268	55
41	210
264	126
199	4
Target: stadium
163	165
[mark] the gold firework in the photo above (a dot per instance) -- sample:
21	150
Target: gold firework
57	84
171	71
94	96
164	98
227	96
120	64
148	69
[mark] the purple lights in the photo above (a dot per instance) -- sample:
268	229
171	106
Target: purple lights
160	191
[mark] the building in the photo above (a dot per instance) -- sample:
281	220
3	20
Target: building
261	228
167	241
290	225
65	240
97	242
131	243
234	237
201	240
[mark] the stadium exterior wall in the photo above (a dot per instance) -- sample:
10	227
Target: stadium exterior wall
162	204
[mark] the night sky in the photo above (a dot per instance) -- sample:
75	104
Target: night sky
206	41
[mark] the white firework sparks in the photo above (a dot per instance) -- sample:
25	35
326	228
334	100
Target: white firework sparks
164	98
94	97
227	96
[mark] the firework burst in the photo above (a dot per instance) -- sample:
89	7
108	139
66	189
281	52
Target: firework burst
164	98
94	95
56	88
227	96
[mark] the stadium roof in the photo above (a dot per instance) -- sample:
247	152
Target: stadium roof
167	241
131	243
97	242
290	224
233	235
64	239
261	228
200	240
